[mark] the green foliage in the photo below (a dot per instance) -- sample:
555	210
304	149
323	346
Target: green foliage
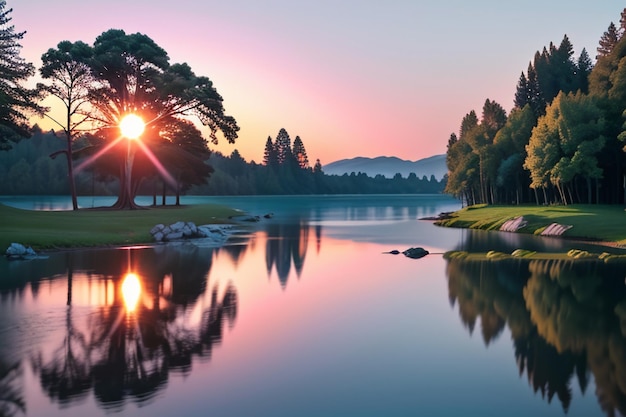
16	101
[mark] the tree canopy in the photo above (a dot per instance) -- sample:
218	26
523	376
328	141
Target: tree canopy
129	73
16	101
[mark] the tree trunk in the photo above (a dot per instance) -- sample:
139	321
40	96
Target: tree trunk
154	193
164	192
126	198
70	172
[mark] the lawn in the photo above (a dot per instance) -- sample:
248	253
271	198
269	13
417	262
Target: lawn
596	222
88	227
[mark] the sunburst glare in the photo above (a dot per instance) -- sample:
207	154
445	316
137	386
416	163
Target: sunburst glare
132	126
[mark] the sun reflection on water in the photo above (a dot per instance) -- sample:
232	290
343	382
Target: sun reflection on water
131	290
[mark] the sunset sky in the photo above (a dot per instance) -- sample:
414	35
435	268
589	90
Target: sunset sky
351	78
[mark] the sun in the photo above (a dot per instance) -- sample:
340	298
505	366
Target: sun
132	126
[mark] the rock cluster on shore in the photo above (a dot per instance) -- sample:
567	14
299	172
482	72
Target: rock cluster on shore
188	230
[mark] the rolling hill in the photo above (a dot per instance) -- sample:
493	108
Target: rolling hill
389	166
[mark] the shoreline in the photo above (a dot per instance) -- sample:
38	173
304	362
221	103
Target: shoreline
596	225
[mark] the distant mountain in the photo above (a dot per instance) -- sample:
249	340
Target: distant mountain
389	166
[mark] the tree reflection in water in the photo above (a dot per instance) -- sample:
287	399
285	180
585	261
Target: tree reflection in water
11	399
127	349
567	320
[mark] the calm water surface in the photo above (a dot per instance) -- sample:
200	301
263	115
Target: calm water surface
304	315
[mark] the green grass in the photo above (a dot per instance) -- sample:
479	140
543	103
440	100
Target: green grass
596	222
89	228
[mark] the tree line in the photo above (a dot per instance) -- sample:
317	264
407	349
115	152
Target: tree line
563	142
27	169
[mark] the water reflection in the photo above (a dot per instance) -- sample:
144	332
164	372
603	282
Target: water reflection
11	397
567	320
143	325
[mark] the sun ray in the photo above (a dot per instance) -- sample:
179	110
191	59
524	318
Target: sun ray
155	161
97	155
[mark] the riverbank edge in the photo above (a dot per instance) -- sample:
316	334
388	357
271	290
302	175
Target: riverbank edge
51	231
602	224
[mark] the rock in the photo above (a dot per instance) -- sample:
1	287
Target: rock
513	225
177	227
192	226
415	253
269	215
156	229
187	231
173	236
19	251
555	229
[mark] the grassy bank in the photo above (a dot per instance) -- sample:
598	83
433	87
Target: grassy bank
603	223
84	228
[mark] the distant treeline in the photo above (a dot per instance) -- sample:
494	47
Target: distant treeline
28	169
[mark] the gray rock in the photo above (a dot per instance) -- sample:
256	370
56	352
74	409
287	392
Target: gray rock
156	229
173	236
19	251
193	227
177	227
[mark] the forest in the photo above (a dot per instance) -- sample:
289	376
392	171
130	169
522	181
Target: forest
562	143
27	169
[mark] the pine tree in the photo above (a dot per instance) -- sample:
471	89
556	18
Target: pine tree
521	92
537	101
622	23
608	41
283	146
469	122
317	168
584	67
15	100
300	153
270	157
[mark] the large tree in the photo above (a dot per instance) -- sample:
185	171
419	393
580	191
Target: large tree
132	74
15	99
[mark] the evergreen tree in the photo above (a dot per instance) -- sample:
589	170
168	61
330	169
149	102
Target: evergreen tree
536	100
270	157
300	153
608	41
469	122
453	139
522	96
584	67
283	146
317	168
15	99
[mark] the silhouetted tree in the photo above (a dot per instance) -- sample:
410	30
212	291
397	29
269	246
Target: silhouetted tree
15	99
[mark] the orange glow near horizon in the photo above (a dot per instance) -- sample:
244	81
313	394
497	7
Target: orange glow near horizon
132	126
131	290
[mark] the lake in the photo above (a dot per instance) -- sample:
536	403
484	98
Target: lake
304	314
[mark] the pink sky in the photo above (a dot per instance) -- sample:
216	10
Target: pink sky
351	78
